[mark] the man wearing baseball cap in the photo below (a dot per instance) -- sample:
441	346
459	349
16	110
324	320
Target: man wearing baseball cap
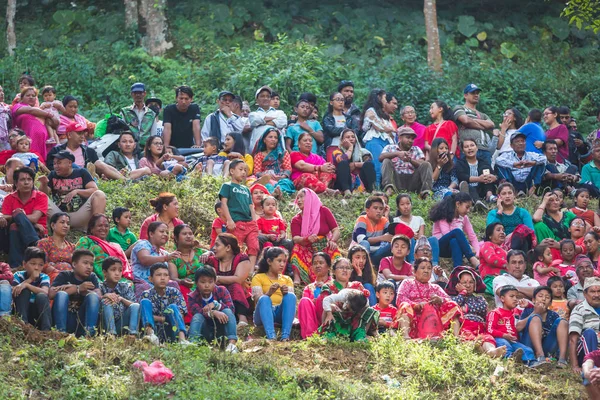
264	117
223	120
140	118
472	124
524	169
584	324
403	166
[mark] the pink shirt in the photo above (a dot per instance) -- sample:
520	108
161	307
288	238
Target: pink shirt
442	227
420	131
79	159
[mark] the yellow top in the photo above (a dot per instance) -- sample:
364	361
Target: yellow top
263	282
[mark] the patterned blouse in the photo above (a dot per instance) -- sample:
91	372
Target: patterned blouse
99	254
188	269
141	271
161	303
59	259
412	291
474	307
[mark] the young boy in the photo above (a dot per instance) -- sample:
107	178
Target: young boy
386	292
29	159
163	308
120	233
120	312
76	296
211	307
544	330
211	162
237	207
54	106
219	224
501	325
395	268
30	290
370	230
304	124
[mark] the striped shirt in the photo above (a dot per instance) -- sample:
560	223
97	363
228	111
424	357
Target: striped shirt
583	317
365	229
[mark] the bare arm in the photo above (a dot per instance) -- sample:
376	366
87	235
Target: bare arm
474	123
167	133
196	129
241	274
146	259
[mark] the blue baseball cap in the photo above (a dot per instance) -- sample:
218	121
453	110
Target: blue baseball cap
471	87
138	87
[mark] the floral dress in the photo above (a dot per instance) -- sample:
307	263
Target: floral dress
57	258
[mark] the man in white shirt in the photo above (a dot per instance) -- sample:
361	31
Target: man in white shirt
263	118
228	121
515	266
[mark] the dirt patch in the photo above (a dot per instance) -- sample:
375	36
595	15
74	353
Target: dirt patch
17	330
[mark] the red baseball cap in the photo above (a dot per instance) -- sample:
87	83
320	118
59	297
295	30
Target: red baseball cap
75	127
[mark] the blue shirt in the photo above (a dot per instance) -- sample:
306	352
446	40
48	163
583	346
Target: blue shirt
41	281
294	131
140	271
551	317
534	133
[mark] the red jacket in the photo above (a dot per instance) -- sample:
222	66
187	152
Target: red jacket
500	322
6	273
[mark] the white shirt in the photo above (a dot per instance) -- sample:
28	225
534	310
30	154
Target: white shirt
415	224
258	125
228	125
507	279
131	162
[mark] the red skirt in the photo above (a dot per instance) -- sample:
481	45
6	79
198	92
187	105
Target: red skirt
475	331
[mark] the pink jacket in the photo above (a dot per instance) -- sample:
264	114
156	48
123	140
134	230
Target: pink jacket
442	227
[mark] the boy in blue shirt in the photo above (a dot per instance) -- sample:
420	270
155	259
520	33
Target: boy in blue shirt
30	290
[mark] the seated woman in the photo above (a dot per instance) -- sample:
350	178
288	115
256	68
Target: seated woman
424	309
592	245
273	294
314	229
234	148
335	124
307	307
363	271
475	173
156	156
352	173
71	114
233	268
310	170
58	250
492	255
126	160
452	227
444	174
464	282
552	223
95	241
191	257
166	207
517	221
273	161
149	252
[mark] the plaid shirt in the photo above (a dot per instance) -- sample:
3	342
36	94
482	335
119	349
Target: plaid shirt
160	303
404	167
123	289
220	296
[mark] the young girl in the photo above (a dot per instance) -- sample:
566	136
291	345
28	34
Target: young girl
234	149
237	207
29	159
543	267
353	320
272	228
120	233
362	271
582	201
273	293
559	304
258	193
175	163
567	264
54	106
417	224
309	314
155	155
445	181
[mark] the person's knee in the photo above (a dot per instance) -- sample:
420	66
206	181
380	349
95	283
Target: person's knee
264	299
228	312
289	297
41	298
198	318
98	195
134	307
145	303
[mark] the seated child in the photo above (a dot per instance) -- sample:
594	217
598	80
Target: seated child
543	329
120	233
29	159
559	298
30	290
567	262
501	325
219	225
238	209
6	278
211	162
582	201
395	267
76	296
175	163
212	309
354	320
386	293
163	308
591	374
120	312
542	264
54	106
370	230
272	228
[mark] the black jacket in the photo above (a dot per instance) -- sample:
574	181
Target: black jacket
89	155
463	172
331	131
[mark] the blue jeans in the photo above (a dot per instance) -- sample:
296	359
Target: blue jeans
84	321
372	295
200	322
512	346
130	319
384	250
173	320
266	315
549	343
21	236
375	146
534	177
5	299
455	244
435	250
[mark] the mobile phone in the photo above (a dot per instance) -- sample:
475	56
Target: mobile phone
486	171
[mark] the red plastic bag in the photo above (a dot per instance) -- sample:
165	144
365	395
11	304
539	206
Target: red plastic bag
430	324
155	373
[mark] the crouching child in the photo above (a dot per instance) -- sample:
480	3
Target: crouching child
354	320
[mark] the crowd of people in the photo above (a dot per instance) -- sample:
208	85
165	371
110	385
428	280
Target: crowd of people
164	284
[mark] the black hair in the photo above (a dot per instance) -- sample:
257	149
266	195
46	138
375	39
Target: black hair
356	300
385	285
489	231
535	115
118	213
94	220
373	199
235	163
269	254
109	262
24	170
148	152
465	140
177	231
56	216
434	155
185	90
506	289
541	288
566	283
554	110
339	260
302	101
48	89
28	78
227	239
274	94
212	141
324	256
156	267
368	275
206	271
403	238
518	117
218	205
536	253
564	110
594	234
153	226
262	202
68	98
238	100
345	83
310	97
389	96
547	142
78	253
514	252
238	145
446	208
374	101
330	107
420	261
447	113
34	252
565	242
128	133
400	197
579	191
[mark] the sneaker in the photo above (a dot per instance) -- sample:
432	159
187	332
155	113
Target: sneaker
562	364
481	206
242	324
492	199
540	364
152	338
517	355
232	349
464	187
185	342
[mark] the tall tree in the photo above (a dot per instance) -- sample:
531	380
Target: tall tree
131	14
585	14
155	38
11	38
434	54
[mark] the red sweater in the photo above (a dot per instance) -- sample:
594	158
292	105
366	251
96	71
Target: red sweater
6	273
500	322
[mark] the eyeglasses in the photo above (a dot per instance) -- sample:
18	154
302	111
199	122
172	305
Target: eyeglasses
345	268
548	113
338	99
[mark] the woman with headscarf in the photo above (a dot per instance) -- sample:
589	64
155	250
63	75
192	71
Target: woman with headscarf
314	229
273	161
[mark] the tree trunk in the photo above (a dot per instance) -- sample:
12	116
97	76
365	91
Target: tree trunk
155	38
434	54
11	38
131	14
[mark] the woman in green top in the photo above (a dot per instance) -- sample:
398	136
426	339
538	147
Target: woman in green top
182	269
552	223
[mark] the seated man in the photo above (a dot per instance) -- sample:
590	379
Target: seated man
263	118
521	168
515	276
370	230
73	191
126	159
403	166
558	175
590	173
83	155
139	117
584	325
584	270
222	121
